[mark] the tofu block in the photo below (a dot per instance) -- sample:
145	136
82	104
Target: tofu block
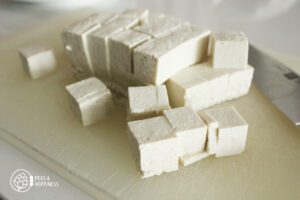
99	48
191	132
147	101
158	59
38	60
159	25
75	42
229	50
201	86
231	133
154	146
90	100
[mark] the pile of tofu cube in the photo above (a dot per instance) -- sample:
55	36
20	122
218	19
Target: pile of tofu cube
171	72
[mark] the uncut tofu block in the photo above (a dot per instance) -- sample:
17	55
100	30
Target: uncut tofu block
158	59
90	100
191	132
38	60
99	47
75	43
159	25
154	146
147	101
229	50
201	86
231	133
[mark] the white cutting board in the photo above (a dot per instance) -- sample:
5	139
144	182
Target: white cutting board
35	117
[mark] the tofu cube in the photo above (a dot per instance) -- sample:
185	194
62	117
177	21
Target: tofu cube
99	48
231	133
229	50
147	101
159	25
90	100
38	60
191	132
201	86
154	146
121	47
158	59
75	42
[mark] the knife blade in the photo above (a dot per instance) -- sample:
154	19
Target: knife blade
275	80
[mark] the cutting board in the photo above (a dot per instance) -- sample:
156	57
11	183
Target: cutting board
35	117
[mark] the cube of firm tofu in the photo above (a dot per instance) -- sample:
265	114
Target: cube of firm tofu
147	101
90	100
231	134
191	132
38	60
158	59
154	146
201	86
229	50
121	47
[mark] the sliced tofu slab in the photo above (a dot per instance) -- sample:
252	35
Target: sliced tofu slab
229	49
158	59
147	101
154	146
75	40
231	132
191	131
121	47
99	48
201	86
90	100
159	25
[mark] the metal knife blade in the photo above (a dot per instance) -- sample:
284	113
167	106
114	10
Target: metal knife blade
280	84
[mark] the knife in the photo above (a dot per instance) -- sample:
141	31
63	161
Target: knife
275	80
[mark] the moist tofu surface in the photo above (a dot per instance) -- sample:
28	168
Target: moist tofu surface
229	50
182	48
201	86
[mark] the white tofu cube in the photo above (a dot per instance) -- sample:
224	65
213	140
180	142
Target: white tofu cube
75	42
232	131
159	25
158	59
147	101
90	100
38	60
191	131
121	47
99	48
229	50
154	146
201	86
